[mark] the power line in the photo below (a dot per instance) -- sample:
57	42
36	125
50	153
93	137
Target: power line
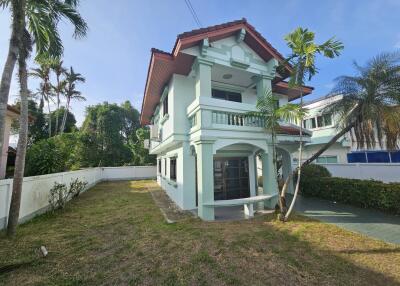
193	12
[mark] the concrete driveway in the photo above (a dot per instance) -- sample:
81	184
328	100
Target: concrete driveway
365	221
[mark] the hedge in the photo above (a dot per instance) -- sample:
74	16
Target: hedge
361	193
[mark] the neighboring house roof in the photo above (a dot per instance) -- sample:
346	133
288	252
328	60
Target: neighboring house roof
320	99
163	64
292	130
14	112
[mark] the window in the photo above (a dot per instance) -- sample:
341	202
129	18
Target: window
165	166
327	159
172	169
324	120
319	121
227	95
165	105
159	166
309	123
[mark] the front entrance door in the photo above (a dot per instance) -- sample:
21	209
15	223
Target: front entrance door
231	178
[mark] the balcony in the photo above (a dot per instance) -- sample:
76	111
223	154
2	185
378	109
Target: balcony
214	113
236	119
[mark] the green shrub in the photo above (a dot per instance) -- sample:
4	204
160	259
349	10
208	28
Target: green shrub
51	155
314	171
60	194
361	193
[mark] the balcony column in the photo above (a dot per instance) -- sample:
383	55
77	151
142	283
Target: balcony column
270	185
263	85
205	178
202	68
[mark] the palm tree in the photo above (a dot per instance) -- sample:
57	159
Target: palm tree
272	116
302	60
45	90
370	104
71	93
57	67
41	19
34	22
24	49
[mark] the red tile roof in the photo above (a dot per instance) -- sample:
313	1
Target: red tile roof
292	130
163	64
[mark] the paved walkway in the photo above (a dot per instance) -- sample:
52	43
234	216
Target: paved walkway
365	221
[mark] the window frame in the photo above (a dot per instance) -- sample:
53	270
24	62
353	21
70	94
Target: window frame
172	168
325	159
165	105
226	94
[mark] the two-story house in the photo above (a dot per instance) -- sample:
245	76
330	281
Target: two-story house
195	101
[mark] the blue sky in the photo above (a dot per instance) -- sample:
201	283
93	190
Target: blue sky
115	55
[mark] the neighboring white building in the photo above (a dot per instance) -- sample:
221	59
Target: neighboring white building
12	113
196	99
324	127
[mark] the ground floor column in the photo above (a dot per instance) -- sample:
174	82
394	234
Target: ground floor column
205	179
270	185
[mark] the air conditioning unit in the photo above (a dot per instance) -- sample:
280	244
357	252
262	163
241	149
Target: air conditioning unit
154	132
146	143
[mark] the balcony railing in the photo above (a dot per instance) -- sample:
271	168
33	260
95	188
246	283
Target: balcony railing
236	119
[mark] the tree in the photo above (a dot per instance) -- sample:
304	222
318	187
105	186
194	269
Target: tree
45	90
58	69
41	18
131	121
302	60
52	155
272	116
37	124
24	49
370	104
103	142
141	155
70	122
71	93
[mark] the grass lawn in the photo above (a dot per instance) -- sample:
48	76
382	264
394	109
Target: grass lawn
115	235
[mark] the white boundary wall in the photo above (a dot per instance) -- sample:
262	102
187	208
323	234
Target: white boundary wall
366	171
35	190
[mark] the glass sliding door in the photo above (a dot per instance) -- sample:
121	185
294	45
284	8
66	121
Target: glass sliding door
231	178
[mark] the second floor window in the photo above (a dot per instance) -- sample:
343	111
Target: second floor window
165	105
309	123
165	166
227	95
324	120
319	121
172	169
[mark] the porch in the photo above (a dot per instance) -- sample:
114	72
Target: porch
227	172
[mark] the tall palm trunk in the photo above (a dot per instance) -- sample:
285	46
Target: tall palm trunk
296	190
64	119
58	103
48	107
7	74
23	131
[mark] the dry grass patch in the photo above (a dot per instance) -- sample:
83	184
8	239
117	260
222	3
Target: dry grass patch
114	234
